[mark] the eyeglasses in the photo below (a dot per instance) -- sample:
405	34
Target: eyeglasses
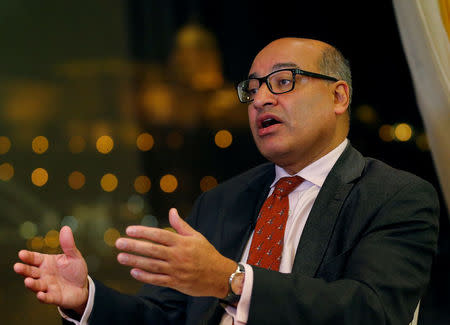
278	82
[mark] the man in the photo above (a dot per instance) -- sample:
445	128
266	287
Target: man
355	245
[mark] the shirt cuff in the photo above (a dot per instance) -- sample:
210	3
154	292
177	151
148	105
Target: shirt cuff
87	311
240	312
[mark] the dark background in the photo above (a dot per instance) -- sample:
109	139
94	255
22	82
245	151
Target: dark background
39	37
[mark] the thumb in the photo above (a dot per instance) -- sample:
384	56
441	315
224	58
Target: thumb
179	224
67	242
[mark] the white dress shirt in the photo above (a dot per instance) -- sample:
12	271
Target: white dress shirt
301	201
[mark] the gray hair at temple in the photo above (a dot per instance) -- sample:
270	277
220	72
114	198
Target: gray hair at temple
333	63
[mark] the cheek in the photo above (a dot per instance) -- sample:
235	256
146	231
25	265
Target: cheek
251	111
309	111
251	117
300	117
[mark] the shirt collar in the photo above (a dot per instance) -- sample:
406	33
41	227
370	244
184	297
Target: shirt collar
316	172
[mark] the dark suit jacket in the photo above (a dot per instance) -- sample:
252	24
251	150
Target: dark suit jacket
364	256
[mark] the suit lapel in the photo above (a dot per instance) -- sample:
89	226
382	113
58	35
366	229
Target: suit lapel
325	211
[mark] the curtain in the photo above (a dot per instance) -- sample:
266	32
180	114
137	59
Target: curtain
424	27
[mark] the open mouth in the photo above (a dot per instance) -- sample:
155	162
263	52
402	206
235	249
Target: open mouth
268	122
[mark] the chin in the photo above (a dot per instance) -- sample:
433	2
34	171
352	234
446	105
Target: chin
274	154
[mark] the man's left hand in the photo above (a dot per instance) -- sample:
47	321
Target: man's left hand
184	261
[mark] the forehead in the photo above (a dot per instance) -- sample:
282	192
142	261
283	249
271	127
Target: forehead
286	53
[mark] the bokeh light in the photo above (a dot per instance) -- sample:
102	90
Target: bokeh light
5	145
223	139
110	236
77	144
403	132
6	172
70	221
104	144
366	114
39	177
386	132
39	144
28	230
145	142
222	101
149	221
35	243
109	182
142	184
76	180
52	239
168	183
157	101
135	204
207	183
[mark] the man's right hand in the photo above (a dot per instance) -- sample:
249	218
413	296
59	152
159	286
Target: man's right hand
57	279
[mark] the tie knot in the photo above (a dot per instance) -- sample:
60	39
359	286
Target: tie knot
286	185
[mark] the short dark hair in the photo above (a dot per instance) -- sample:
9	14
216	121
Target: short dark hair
333	63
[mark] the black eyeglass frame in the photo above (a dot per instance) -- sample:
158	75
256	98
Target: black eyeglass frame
294	71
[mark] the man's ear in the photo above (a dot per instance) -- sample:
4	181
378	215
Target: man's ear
341	97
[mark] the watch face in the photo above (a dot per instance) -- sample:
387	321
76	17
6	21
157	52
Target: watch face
236	283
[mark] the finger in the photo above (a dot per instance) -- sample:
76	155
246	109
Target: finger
35	285
31	258
143	248
157	235
67	242
150	265
181	226
44	297
27	270
151	278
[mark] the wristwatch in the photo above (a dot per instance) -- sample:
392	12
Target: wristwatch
233	297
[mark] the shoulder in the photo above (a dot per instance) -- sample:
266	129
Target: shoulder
381	186
374	184
383	198
390	178
353	167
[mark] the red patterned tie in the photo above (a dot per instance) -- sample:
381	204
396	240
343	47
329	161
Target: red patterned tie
267	242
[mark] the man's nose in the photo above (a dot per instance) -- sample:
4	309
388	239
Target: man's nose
264	97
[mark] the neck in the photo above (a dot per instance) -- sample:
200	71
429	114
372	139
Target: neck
294	167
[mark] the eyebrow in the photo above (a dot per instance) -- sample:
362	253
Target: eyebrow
277	67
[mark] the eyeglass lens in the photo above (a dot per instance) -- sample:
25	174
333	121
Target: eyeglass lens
278	82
